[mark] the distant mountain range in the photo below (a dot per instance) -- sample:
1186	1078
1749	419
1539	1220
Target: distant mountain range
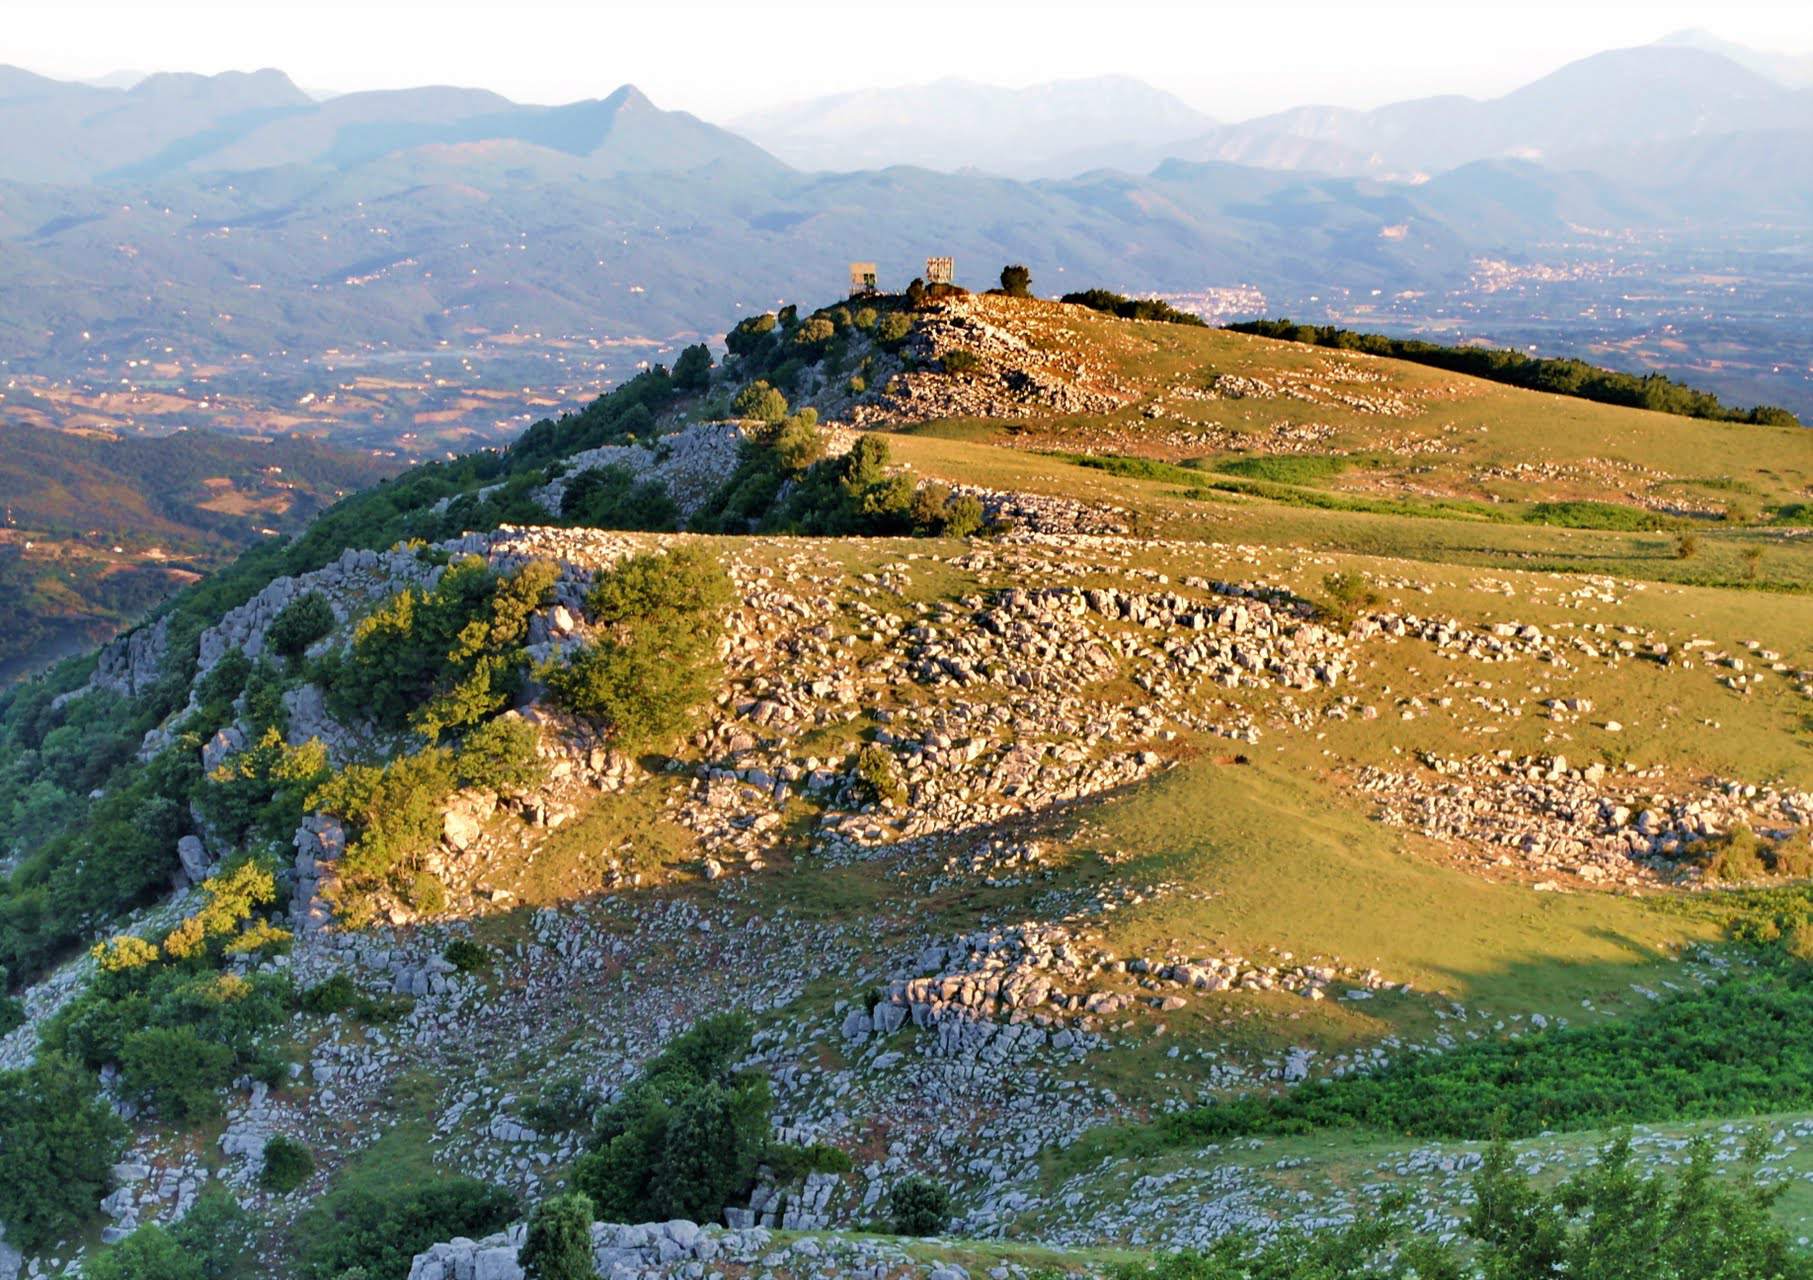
165	125
1793	70
1688	87
230	218
1626	97
1048	130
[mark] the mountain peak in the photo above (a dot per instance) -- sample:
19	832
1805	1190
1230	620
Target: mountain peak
628	95
266	87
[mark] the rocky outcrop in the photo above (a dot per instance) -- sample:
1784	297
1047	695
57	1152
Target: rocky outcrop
680	1248
1544	815
130	664
691	464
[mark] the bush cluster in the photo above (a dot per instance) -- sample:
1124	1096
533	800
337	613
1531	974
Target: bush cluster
178	1027
58	1143
441	659
213	1241
1607	1221
1742	1045
612	498
393	812
917	1206
785	484
1126	308
287	1164
655	659
380	1228
1559	377
302	622
687	1137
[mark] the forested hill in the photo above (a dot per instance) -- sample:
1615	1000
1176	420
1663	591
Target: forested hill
98	528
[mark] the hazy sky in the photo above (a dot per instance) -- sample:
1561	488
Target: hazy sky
1229	59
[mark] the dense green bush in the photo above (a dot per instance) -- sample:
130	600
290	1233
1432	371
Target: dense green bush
303	621
112	854
176	1071
1132	308
1594	515
260	793
468	956
692	371
760	401
1741	1046
381	1231
1559	377
857	493
895	328
287	1164
612	498
1016	281
960	361
331	995
501	755
751	336
150	1253
211	1242
178	1028
799	443
559	1241
879	775
656	661
392	813
686	1138
917	1206
58	1143
444	658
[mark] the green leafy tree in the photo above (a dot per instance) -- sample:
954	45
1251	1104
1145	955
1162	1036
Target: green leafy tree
287	1163
303	621
894	329
559	1242
917	1206
657	659
799	443
813	337
446	658
58	1144
177	1071
1016	281
501	755
612	498
760	401
687	1136
380	1227
150	1253
692	371
752	336
1613	1221
393	815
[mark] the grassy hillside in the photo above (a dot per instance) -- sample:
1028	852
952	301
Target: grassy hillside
1104	768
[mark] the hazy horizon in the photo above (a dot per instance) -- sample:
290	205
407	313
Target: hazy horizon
721	63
